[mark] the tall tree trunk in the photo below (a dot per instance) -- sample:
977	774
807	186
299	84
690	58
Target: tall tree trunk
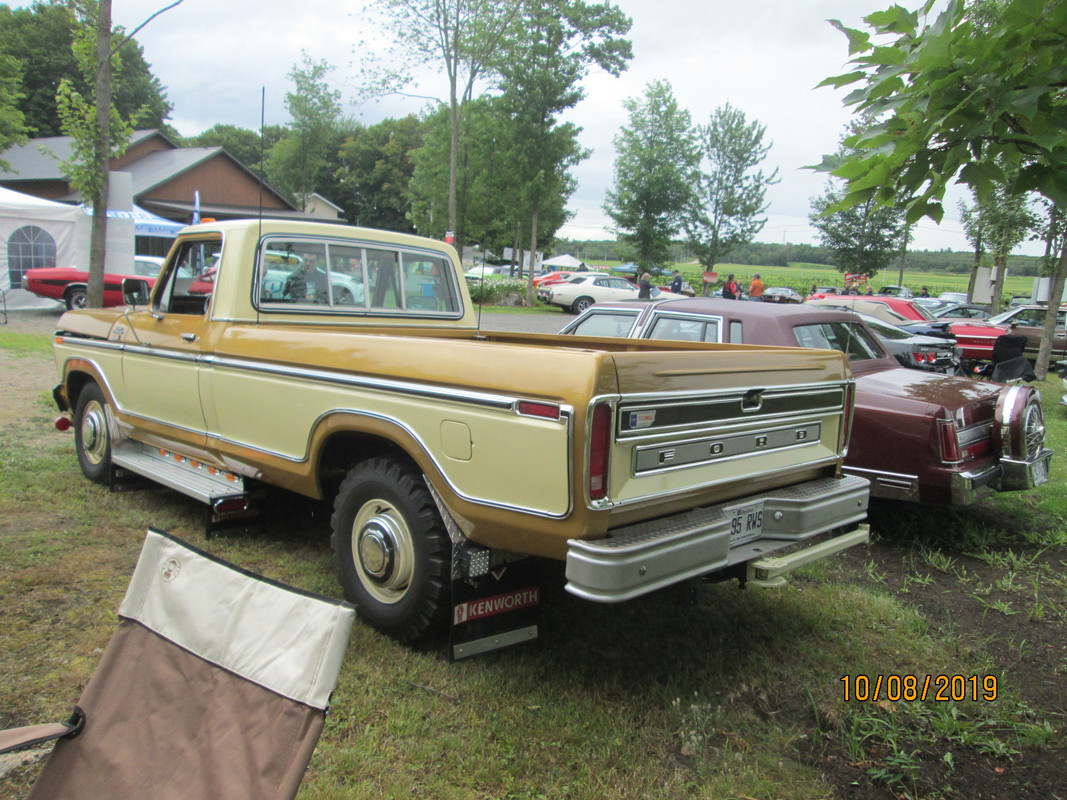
1055	297
533	255
98	239
1000	261
974	268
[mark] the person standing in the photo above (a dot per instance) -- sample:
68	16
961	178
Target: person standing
676	283
729	289
755	289
644	287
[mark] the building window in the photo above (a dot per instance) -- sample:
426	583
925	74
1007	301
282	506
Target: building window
29	247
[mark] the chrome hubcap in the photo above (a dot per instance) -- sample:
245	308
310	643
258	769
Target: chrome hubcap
94	433
383	549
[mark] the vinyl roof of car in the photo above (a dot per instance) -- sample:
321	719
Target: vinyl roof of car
794	313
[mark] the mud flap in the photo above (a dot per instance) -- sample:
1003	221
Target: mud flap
502	608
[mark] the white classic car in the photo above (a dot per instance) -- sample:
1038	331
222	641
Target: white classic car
582	291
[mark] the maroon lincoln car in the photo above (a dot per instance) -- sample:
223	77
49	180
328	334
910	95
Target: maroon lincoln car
916	435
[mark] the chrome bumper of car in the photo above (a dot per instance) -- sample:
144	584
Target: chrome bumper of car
641	558
1019	475
1008	475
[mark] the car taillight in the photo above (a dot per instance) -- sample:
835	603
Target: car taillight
846	421
599	448
949	440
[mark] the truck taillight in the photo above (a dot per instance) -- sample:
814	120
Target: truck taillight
599	448
949	440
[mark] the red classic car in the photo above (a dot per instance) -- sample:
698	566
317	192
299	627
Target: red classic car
916	435
68	284
909	309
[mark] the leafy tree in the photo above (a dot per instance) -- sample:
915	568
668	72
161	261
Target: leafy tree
656	161
727	210
97	130
462	37
979	88
863	238
1000	221
559	41
376	169
245	145
12	121
304	161
41	38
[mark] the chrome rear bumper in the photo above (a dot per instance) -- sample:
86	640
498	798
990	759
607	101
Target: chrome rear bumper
641	558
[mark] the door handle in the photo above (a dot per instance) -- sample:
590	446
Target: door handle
189	337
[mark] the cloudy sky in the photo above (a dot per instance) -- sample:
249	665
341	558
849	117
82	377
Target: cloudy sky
765	57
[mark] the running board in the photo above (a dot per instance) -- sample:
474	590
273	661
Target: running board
223	491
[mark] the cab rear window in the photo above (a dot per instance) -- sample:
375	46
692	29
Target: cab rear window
347	277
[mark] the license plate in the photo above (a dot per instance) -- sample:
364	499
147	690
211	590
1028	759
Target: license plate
1040	472
746	523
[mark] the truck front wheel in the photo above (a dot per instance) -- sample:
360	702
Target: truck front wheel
92	433
392	551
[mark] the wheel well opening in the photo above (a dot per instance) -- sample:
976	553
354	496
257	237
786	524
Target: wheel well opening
344	450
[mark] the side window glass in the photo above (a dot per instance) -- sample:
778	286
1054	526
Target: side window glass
711	331
189	279
604	324
383	279
673	328
735	332
426	286
346	276
293	272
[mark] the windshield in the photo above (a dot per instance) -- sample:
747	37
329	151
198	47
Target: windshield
849	338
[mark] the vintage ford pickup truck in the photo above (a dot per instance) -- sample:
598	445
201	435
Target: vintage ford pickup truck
363	376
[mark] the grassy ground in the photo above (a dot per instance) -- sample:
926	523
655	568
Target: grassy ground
717	694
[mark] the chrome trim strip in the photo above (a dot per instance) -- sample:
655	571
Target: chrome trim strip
100	344
874	473
690	397
486	399
566	418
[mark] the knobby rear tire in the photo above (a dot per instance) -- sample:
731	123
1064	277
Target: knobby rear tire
391	548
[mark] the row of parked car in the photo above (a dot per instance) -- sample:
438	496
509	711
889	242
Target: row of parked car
917	434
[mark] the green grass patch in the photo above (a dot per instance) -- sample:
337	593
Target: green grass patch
25	343
715	692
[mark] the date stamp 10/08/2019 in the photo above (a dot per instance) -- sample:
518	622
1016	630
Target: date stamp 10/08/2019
895	688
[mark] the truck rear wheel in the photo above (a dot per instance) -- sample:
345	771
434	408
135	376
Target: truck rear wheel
392	551
92	434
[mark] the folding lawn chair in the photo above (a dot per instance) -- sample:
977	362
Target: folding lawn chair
214	686
1009	363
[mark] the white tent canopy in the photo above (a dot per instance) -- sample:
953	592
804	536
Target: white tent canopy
37	233
562	262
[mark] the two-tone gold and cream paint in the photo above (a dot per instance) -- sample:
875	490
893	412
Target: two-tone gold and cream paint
501	424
